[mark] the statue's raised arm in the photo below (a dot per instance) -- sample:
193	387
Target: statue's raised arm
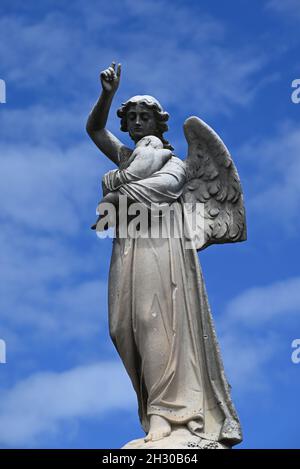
108	143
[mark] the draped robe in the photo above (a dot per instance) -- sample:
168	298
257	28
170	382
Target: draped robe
160	320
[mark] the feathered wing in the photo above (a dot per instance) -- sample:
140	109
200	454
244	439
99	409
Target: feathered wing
213	188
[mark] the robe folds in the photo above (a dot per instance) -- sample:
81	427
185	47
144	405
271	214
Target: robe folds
160	320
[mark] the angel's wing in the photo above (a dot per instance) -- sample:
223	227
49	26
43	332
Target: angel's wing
213	185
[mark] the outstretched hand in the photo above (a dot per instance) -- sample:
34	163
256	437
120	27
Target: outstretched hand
110	78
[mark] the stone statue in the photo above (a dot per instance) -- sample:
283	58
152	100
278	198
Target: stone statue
159	316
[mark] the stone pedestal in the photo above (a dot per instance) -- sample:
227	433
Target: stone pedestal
180	438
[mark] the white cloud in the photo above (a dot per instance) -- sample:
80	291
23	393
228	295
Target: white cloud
245	358
44	125
205	76
274	183
262	305
51	264
39	49
64	55
47	188
51	289
37	406
252	332
290	8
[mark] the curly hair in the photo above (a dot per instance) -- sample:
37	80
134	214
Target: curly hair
160	115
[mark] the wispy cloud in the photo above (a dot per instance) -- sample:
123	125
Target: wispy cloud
275	169
251	332
246	359
40	49
265	304
38	406
290	8
58	51
46	187
51	265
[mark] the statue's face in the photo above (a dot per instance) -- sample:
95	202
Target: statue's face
140	122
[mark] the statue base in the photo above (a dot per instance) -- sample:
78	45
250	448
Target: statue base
180	438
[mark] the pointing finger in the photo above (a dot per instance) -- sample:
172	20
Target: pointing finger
119	71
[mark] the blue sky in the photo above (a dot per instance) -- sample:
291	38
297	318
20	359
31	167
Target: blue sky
232	64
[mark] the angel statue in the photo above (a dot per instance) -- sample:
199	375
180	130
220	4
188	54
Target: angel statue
159	317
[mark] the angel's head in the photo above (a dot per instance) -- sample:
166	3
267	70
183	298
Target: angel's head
142	116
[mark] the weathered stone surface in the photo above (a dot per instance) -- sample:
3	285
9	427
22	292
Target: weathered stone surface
159	316
180	438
